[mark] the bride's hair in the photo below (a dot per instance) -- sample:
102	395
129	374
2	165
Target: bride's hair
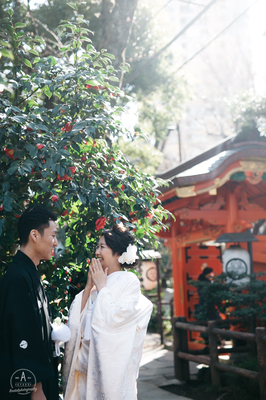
118	238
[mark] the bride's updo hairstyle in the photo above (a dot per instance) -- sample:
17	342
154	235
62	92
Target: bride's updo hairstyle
118	239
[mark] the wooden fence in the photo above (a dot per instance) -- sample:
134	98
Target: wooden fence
182	356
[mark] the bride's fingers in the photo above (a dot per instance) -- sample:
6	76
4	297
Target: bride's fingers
99	265
96	266
92	266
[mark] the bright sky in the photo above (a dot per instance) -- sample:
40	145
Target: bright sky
257	15
258	37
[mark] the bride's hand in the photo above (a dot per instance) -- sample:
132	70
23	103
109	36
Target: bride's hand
89	283
99	276
87	290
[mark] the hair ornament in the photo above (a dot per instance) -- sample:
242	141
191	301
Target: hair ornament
129	256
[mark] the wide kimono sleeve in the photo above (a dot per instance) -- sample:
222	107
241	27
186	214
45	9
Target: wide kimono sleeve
23	345
120	316
116	308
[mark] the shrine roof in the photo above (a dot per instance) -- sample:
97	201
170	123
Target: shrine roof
212	163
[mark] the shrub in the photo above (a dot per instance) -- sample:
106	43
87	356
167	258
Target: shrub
58	119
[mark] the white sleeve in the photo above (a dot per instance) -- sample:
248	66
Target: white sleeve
115	310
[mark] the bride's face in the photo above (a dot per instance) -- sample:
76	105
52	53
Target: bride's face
105	254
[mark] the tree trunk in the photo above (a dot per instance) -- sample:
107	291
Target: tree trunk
116	27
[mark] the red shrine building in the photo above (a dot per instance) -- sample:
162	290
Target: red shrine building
218	192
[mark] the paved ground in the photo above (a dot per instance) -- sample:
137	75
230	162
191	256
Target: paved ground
157	370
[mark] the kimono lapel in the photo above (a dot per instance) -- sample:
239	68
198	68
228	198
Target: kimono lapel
44	308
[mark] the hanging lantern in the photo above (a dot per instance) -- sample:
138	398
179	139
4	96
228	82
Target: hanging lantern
148	269
148	274
236	264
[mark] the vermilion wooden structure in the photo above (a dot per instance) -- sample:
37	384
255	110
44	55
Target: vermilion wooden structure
221	191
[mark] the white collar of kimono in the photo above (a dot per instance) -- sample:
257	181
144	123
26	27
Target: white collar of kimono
113	277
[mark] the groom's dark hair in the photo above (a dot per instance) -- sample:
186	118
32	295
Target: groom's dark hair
34	218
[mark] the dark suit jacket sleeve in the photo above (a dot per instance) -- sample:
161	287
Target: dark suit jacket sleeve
25	331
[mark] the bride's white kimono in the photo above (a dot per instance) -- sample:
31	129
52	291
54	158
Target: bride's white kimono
102	357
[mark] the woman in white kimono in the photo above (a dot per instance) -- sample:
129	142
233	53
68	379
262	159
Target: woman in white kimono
108	323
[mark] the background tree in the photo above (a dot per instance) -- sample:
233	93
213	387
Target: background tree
248	111
141	153
133	31
58	155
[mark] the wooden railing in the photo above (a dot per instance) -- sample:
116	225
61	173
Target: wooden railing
182	356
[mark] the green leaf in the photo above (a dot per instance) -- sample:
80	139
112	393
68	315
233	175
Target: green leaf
72	5
56	109
28	165
44	185
9	28
75	146
92	197
44	174
57	94
64	48
32	150
52	60
7	53
13	167
21	170
80	258
60	170
47	91
16	109
85	39
10	12
39	39
82	199
3	43
109	55
34	52
18	119
69	196
107	208
20	25
113	78
126	69
7	203
92	83
2	225
26	62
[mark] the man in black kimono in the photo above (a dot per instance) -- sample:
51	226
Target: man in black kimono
26	355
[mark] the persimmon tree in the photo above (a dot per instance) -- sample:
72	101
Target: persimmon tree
58	119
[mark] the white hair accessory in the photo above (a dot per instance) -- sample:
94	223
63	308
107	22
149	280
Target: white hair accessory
129	256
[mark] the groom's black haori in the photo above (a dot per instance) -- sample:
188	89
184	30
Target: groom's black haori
26	353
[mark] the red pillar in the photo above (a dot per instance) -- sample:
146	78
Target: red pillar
232	211
178	265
